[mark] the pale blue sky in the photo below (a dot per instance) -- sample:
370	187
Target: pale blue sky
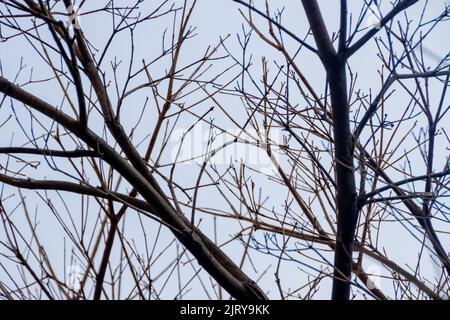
213	19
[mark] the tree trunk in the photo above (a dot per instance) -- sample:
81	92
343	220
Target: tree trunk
347	211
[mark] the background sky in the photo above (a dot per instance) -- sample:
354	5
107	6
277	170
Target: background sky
213	20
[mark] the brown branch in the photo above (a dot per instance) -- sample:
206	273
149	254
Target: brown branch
49	152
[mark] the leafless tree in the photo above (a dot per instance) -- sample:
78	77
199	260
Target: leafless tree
91	122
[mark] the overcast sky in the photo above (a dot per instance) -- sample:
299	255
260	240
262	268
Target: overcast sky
213	19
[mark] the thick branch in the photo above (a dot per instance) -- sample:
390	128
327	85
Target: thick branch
278	25
208	255
403	5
